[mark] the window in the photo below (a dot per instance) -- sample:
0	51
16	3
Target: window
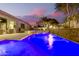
3	20
11	25
23	26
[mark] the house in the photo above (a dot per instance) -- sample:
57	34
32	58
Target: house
11	24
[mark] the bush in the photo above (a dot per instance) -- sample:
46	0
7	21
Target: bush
69	33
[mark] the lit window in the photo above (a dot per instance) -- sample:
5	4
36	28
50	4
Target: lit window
11	24
50	26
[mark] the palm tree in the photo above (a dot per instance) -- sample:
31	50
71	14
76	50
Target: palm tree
64	7
69	9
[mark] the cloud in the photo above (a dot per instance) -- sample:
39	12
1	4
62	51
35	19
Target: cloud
59	16
56	14
38	12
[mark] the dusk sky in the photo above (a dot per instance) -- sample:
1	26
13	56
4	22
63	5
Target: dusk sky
32	9
21	9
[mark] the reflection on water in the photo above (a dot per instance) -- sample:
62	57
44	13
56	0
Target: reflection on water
42	44
53	44
50	40
2	50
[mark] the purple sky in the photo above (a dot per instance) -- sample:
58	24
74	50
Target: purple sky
32	9
21	9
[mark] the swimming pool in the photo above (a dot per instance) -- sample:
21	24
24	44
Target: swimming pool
41	44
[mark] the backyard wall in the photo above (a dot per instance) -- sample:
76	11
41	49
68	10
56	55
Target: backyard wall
71	34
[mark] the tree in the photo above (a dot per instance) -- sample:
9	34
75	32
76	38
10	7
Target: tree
47	22
69	10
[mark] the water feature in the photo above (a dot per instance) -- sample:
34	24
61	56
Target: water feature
41	44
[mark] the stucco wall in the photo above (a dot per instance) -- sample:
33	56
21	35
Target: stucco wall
17	22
